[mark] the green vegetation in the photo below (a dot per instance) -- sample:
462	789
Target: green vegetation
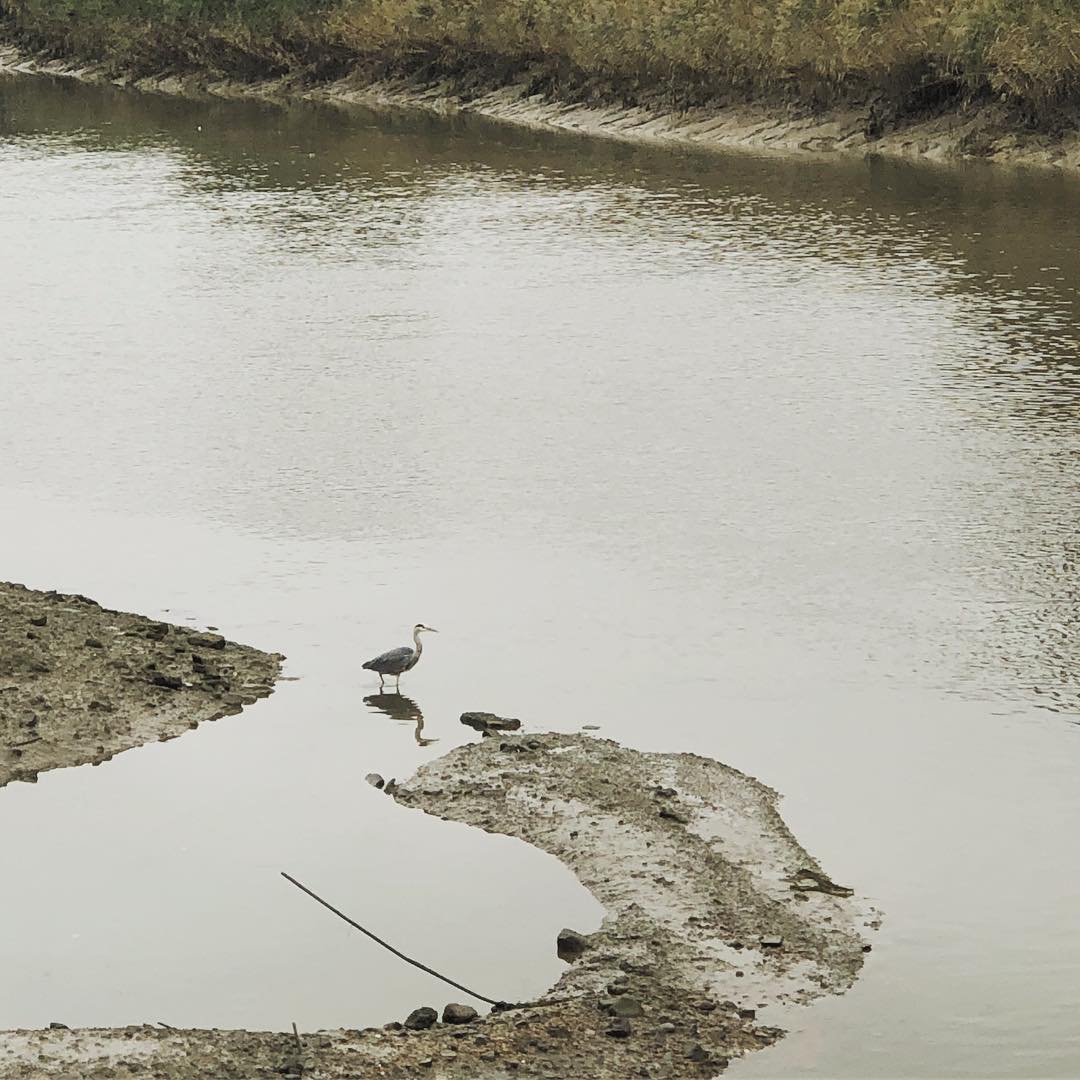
914	53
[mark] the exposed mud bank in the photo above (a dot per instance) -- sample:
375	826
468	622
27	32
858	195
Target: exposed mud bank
979	131
713	914
80	683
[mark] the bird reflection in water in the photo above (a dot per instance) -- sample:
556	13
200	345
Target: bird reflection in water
402	708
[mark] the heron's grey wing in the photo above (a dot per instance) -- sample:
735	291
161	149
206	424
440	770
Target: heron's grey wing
390	660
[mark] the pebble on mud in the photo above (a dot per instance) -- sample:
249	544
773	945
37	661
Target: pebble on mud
623	1006
375	780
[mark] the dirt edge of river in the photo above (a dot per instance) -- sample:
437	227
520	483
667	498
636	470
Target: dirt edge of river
80	683
981	131
713	911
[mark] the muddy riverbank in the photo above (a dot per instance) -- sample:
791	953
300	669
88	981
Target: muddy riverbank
713	914
80	683
982	130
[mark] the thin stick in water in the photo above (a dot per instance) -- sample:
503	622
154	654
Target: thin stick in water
390	948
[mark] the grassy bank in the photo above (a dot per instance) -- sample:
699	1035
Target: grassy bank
912	55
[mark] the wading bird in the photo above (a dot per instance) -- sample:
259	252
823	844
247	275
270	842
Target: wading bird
397	661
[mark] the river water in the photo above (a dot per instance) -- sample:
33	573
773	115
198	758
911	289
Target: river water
775	461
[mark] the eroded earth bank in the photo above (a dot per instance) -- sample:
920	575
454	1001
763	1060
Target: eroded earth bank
80	683
713	911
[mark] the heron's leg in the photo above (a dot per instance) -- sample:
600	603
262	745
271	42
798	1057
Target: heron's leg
398	682
380	680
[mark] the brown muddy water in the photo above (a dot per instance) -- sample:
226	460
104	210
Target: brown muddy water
774	461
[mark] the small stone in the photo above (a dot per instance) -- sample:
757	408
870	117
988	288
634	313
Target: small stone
170	682
394	1025
39	620
157	631
673	815
625	1007
421	1019
772	941
93	643
375	780
867	948
698	1053
570	945
705	1006
666	1028
459	1014
617	988
590	727
57	1026
426	1063
665	792
619	1028
488	1055
747	1014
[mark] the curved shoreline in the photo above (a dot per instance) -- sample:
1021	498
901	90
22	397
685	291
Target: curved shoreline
713	911
981	132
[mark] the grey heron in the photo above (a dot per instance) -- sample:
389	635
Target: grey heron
397	661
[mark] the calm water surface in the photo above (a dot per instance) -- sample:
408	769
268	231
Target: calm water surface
777	462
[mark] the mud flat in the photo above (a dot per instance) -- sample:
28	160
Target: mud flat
713	914
80	683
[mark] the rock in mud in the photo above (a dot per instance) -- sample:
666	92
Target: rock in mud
459	1014
421	1019
485	722
569	945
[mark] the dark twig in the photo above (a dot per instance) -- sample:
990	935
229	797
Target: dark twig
296	1036
385	945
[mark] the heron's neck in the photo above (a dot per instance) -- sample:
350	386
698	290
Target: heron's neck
417	642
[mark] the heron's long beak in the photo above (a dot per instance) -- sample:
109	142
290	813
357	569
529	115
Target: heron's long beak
432	629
